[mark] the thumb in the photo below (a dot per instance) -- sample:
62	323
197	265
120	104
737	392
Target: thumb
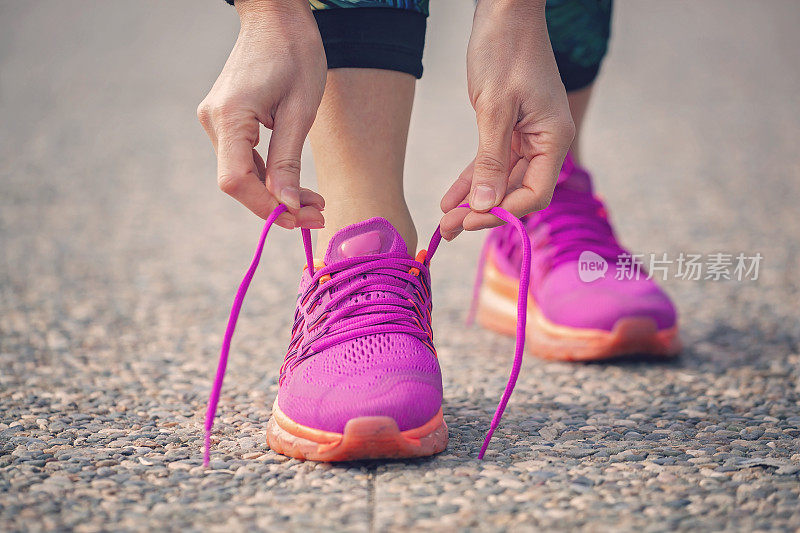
283	159
490	177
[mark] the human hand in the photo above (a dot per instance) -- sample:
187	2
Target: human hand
275	76
524	123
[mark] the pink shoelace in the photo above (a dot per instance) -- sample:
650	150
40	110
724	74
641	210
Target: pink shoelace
352	322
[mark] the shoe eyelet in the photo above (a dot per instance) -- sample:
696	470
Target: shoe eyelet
421	255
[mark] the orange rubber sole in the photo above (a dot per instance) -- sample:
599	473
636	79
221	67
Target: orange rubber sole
497	311
368	437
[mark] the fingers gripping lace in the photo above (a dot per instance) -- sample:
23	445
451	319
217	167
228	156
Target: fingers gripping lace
338	323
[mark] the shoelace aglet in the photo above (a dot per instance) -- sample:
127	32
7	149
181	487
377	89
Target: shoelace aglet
486	441
211	411
207	450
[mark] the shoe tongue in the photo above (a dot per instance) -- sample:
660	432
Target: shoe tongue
373	236
574	177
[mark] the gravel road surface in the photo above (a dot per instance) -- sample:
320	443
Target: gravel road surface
119	259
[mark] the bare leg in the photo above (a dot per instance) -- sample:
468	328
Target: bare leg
359	144
578	103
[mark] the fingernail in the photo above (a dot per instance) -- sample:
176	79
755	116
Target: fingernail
314	224
453	234
290	196
483	197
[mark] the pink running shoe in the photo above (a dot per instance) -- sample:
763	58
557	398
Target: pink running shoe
570	318
361	379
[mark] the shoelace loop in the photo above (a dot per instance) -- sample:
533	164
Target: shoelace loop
356	326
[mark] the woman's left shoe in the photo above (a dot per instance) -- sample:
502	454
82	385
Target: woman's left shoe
585	303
